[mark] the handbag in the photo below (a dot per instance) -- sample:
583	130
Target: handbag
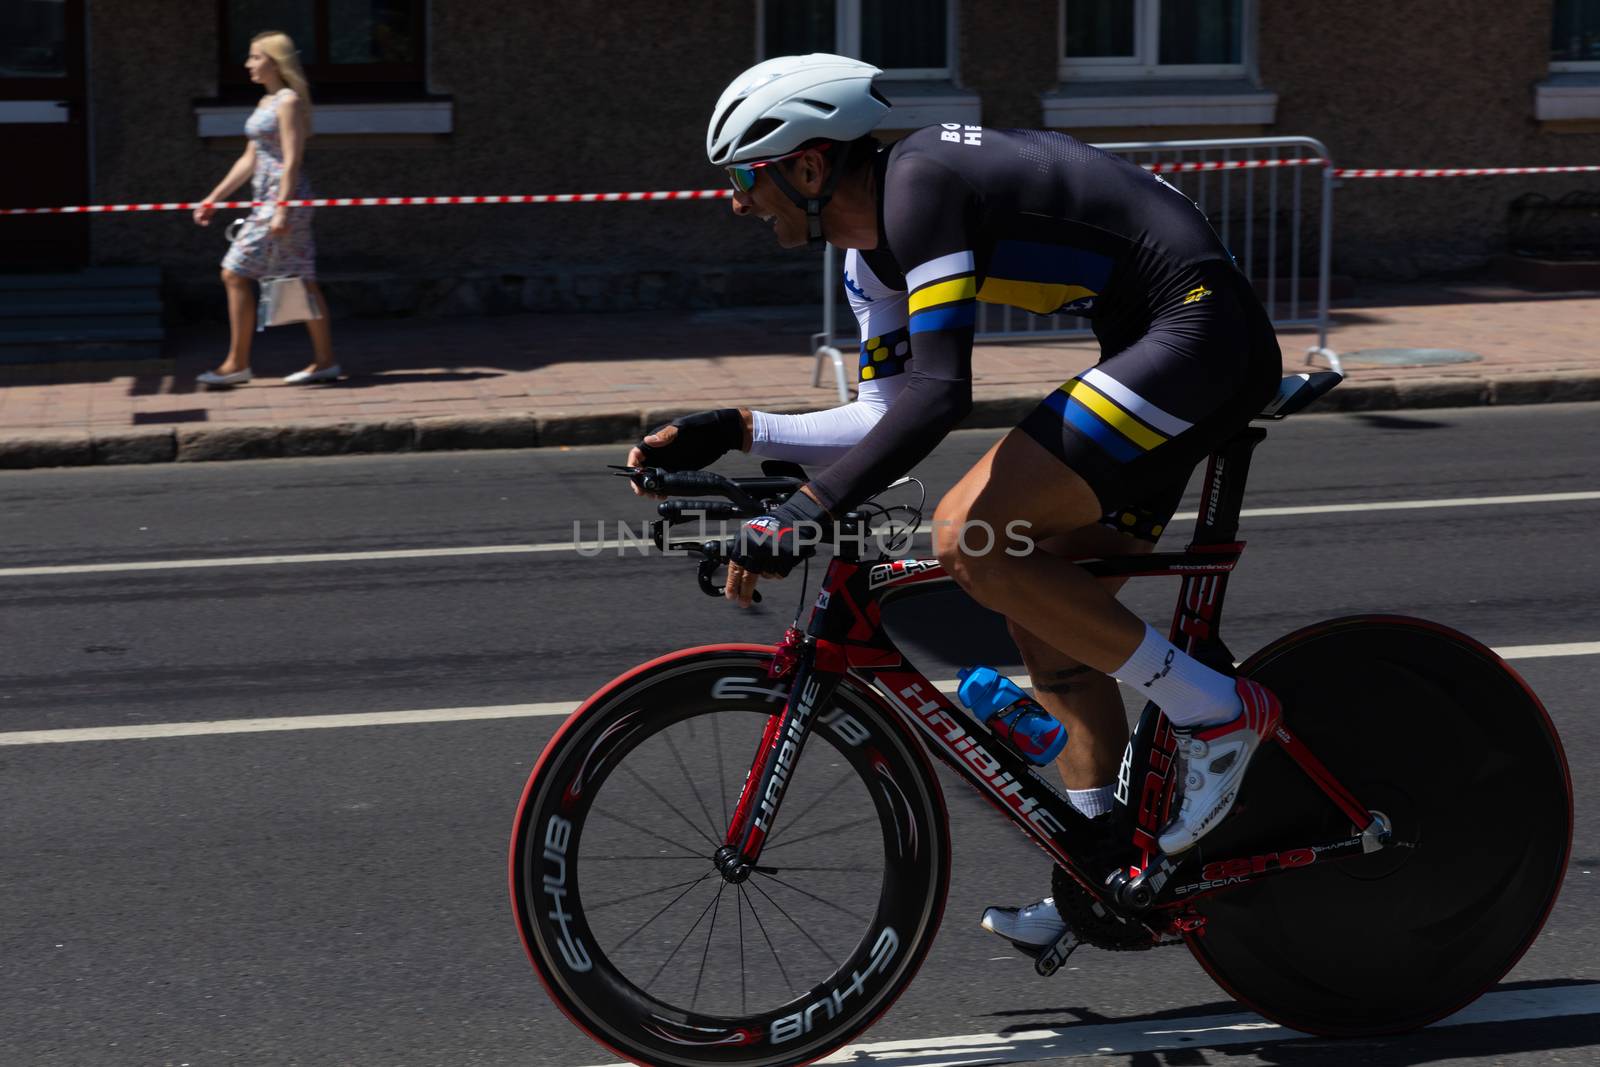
284	298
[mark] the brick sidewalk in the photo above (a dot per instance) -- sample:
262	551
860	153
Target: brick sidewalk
565	379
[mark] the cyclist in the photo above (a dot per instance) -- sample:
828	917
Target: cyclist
956	214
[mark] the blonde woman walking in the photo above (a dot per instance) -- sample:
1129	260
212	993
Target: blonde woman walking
273	239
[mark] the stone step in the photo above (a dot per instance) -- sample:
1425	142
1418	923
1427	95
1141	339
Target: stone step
85	303
88	278
73	329
91	352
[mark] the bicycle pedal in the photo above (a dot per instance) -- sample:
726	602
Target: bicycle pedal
1051	959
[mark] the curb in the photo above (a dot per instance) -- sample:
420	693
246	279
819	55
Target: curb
197	444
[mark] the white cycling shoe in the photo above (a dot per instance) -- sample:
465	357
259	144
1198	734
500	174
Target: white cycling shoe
1216	758
1033	928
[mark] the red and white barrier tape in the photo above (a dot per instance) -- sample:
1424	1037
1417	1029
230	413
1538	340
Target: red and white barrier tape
382	201
723	194
1367	172
1232	164
1453	172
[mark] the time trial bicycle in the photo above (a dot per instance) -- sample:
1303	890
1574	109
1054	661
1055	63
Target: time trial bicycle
1393	851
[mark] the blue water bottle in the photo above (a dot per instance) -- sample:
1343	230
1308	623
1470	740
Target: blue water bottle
1012	715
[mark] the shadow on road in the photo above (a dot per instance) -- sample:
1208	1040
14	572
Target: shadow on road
1513	1019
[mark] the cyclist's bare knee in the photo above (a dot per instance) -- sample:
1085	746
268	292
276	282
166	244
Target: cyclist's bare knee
1017	488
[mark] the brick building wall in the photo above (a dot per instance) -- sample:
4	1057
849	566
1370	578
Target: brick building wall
1421	83
609	97
589	97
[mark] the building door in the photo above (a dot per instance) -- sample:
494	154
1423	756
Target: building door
44	133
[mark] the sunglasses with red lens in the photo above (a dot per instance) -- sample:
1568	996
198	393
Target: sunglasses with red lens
743	175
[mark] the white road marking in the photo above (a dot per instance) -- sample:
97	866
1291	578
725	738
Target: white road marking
157	730
1200	1032
1576	648
598	546
1413	505
300	560
416	716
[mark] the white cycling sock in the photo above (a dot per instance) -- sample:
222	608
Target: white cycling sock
1189	692
1092	802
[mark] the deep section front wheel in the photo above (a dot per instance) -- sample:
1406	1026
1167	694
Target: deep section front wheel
1437	733
641	939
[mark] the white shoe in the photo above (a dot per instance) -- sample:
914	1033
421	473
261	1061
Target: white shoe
307	377
1037	926
212	378
1216	758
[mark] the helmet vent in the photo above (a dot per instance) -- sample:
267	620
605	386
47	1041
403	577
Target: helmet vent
758	129
721	122
822	107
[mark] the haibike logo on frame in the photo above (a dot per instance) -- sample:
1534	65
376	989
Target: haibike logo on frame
1001	782
801	1022
1216	492
557	835
787	752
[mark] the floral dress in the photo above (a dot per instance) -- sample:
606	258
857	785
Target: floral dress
255	253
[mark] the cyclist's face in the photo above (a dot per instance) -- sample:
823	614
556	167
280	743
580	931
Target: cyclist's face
766	202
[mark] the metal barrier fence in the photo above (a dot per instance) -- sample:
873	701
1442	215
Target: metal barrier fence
1252	189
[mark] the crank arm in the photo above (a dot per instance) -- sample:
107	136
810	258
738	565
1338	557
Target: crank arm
1051	959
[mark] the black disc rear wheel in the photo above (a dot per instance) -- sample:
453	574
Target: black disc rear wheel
1434	731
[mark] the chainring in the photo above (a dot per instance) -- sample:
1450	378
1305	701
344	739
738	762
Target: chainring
1096	924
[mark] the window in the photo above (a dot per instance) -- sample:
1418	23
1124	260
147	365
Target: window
342	43
33	39
907	38
365	59
1154	38
1164	63
1569	99
1575	35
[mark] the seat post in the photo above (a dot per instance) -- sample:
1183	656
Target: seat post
1222	495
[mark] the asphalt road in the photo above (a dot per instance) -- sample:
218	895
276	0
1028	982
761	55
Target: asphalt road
337	896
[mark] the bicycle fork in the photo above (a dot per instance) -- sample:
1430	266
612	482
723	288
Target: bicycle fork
776	756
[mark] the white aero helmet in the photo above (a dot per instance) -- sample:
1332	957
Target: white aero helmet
778	105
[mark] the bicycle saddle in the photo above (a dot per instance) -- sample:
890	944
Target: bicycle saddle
1298	390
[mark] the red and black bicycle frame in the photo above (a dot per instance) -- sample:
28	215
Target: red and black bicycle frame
846	635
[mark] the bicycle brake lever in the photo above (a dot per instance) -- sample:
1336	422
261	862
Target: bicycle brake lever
708	586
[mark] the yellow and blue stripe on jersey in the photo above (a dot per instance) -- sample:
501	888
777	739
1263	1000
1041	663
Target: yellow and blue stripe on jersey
1124	424
1044	278
1032	275
943	293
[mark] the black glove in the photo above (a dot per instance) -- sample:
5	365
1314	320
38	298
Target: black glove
702	439
773	544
